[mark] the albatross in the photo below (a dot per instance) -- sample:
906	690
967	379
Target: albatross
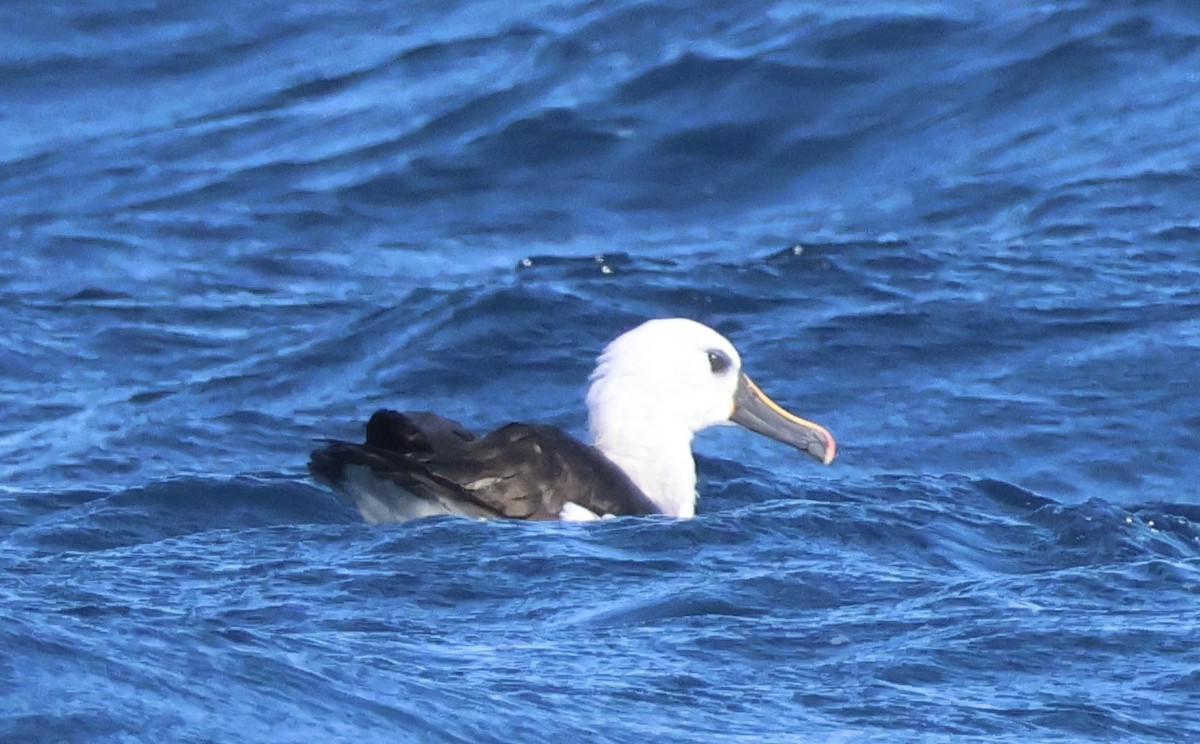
652	390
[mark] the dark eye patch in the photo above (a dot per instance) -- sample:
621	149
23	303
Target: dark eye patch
718	361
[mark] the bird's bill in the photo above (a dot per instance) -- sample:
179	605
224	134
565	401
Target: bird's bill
758	413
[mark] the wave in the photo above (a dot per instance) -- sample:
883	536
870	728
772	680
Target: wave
94	520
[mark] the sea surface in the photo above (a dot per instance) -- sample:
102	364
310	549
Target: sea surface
965	236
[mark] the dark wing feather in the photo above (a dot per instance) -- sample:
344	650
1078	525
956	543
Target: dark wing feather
415	433
519	471
525	471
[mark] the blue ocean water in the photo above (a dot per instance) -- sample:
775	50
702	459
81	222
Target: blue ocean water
962	235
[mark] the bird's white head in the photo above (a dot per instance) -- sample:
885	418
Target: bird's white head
657	385
669	372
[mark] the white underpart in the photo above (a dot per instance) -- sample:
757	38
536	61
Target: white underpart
652	390
379	500
572	512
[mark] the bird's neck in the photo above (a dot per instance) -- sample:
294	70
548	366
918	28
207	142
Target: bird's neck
657	459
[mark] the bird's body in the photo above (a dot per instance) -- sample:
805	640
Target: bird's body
419	464
653	388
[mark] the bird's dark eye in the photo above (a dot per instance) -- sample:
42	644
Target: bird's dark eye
719	361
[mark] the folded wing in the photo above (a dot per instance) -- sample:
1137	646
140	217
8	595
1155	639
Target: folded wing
417	464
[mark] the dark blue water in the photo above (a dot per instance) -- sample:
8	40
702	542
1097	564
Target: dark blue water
964	236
